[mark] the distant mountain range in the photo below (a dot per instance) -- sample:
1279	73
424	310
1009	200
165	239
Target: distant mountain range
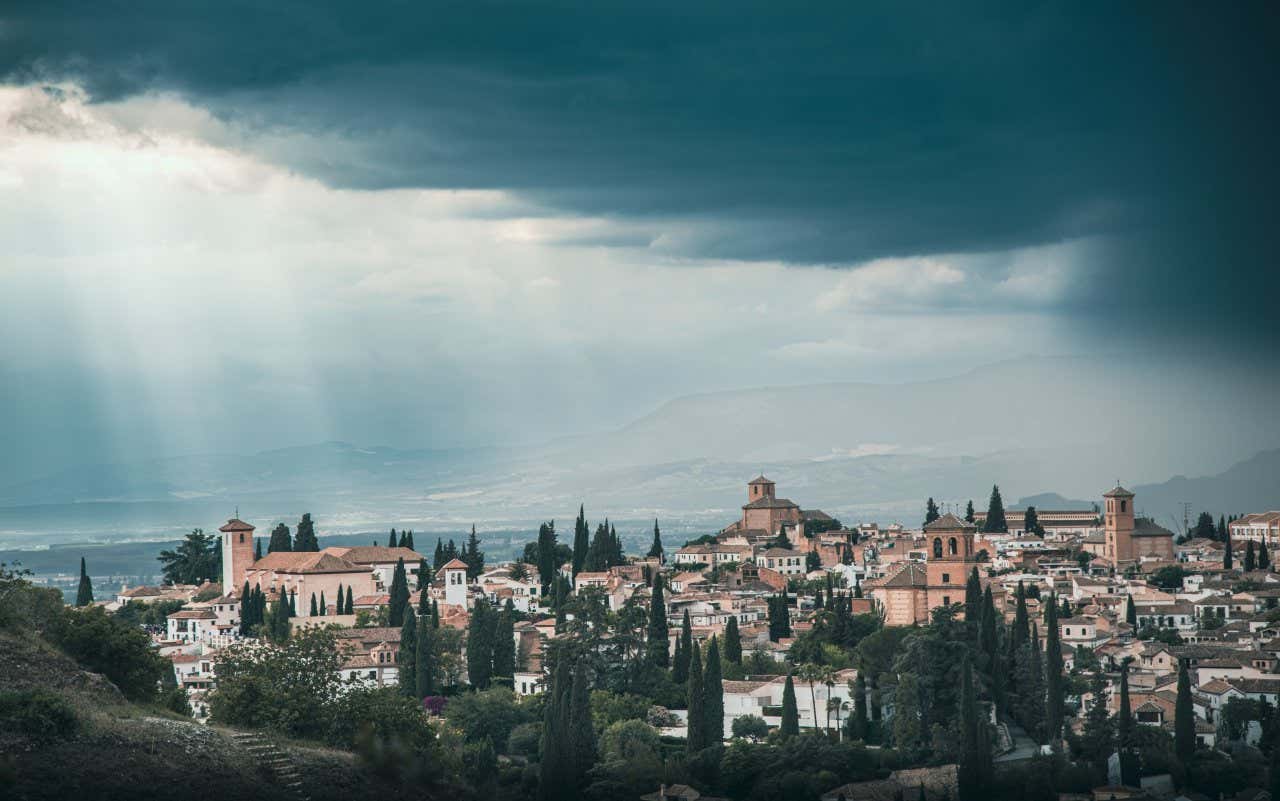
860	451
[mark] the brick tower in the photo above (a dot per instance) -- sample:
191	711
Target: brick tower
951	557
237	553
1118	524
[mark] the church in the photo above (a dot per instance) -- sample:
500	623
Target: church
908	594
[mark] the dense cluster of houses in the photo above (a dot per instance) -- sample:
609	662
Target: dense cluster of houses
1101	562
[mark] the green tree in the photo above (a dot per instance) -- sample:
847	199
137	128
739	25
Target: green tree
732	642
581	540
324	604
969	515
790	726
1227	549
697	727
197	559
425	664
281	540
1125	732
995	521
973	600
305	538
1097	741
480	631
1021	632
315	609
713	693
930	512
546	553
779	616
975	768
655	549
1204	527
582	736
858	723
84	593
405	658
351	601
657	636
474	556
490	714
1264	557
751	727
1184	720
684	651
906	715
1055	688
1249	561
1031	522
1130	612
103	644
504	646
399	595
393	541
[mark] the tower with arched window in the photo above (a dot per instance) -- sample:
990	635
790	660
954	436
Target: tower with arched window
951	557
237	553
1118	524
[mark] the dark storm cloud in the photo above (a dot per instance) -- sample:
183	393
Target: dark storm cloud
805	133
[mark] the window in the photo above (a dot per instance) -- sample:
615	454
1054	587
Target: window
951	546
946	578
1124	505
937	547
946	600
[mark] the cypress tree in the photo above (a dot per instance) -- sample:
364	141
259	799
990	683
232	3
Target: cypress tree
790	726
1130	612
1264	558
1055	689
280	618
324	605
84	593
655	549
1020	630
351	601
438	560
657	638
246	606
435	614
1274	773
480	632
406	659
1184	720
547	555
732	642
969	515
987	632
995	513
697	737
424	574
474	556
1031	522
293	602
713	694
1249	563
556	766
973	600
582	734
305	539
1227	556
399	595
1124	732
581	540
280	539
257	549
975	767
684	651
424	661
930	512
315	610
859	720
393	541
504	646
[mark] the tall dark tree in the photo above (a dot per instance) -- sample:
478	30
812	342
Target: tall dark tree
973	600
1055	687
475	556
556	768
1031	522
480	631
657	636
305	537
790	726
779	616
257	549
581	540
315	608
437	559
351	601
1097	741
399	595
1020	624
324	605
655	549
547	562
684	651
281	540
280	614
1222	528
393	541
931	512
246	606
1124	733
582	736
1227	555
1249	561
504	646
987	629
713	693
406	658
424	659
1130	612
84	593
732	641
197	559
995	521
969	515
697	736
1264	558
1184	717
975	768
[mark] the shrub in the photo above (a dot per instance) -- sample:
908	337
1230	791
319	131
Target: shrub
490	714
524	740
39	714
121	652
751	727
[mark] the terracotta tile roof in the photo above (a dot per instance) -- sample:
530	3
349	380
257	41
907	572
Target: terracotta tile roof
375	554
236	524
306	562
1118	492
191	614
771	503
950	522
454	564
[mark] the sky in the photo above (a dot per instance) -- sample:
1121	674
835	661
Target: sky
234	226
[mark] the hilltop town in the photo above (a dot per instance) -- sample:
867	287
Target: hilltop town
1087	654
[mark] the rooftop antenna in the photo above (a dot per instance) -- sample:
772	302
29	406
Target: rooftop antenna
237	511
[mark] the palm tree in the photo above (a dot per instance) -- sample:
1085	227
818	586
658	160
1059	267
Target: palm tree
828	677
817	674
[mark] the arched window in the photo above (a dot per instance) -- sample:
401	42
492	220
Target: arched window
242	536
937	547
1124	505
951	546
